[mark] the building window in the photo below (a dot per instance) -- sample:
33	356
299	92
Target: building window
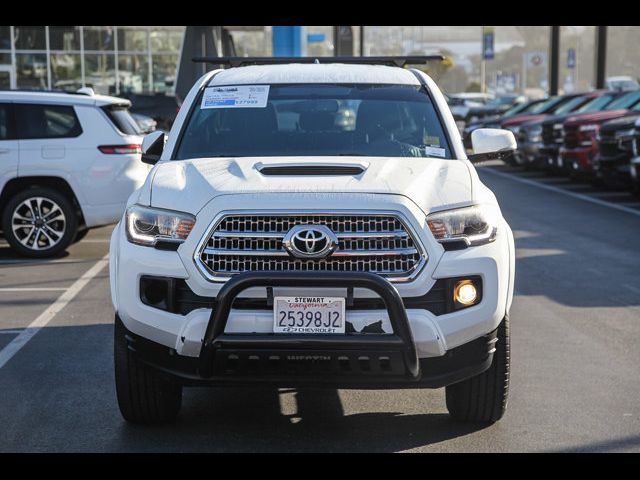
5	38
622	58
133	39
31	70
100	73
134	73
65	72
64	38
166	39
99	39
164	73
30	38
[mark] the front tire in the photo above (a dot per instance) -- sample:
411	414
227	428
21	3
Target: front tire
483	398
39	222
145	396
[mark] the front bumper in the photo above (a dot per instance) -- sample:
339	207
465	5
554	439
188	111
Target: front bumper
365	364
530	152
435	336
634	171
550	159
614	171
578	161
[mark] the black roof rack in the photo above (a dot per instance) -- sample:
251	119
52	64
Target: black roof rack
394	61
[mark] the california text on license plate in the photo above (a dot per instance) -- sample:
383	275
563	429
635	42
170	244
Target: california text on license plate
308	315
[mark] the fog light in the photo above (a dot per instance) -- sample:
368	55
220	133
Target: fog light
465	293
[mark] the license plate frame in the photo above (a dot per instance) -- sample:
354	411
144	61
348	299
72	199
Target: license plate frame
291	315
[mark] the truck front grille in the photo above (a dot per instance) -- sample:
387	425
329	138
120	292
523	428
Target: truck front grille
552	133
374	243
571	135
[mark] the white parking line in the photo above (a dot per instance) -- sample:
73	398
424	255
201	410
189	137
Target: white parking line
580	196
34	289
45	317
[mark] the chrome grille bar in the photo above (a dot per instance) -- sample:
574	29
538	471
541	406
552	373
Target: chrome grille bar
339	253
228	234
367	242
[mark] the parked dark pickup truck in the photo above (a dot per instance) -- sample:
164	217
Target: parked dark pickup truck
553	134
529	135
495	120
579	147
616	141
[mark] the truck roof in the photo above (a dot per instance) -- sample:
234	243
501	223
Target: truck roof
60	97
315	73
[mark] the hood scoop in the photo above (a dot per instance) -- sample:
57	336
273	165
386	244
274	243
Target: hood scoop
311	169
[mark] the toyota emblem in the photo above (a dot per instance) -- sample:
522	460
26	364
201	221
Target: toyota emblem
310	241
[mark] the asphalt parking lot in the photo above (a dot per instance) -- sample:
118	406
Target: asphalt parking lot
576	358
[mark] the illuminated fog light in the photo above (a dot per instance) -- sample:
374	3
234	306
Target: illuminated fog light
465	292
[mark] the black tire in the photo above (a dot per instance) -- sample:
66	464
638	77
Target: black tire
145	396
483	398
68	226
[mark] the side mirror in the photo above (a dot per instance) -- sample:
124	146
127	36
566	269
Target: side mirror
152	147
492	144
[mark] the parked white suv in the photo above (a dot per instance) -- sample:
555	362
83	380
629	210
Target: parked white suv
68	163
276	243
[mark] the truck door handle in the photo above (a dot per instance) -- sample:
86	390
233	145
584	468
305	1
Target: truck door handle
4	150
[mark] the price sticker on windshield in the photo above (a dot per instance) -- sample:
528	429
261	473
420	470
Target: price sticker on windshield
238	96
435	151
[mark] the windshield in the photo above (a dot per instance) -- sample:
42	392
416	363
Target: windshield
544	106
314	120
624	102
570	106
521	107
596	104
501	101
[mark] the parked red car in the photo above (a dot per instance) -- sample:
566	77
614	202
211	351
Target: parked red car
580	146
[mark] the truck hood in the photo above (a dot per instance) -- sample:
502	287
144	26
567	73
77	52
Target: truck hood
433	184
622	123
595	117
520	119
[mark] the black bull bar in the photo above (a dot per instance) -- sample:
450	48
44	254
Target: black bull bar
218	346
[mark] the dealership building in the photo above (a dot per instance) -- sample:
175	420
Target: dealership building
122	60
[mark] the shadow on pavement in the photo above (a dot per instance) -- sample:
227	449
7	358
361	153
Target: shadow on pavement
59	395
247	419
6	253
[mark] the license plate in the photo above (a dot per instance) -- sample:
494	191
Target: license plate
308	315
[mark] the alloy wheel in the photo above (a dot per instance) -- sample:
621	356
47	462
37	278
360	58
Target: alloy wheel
38	223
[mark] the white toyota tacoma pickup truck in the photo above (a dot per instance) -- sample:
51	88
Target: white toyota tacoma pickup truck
313	224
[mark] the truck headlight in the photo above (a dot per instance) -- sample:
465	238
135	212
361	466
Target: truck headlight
534	135
148	226
474	225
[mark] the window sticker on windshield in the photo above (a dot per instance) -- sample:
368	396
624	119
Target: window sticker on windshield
239	96
431	140
435	152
